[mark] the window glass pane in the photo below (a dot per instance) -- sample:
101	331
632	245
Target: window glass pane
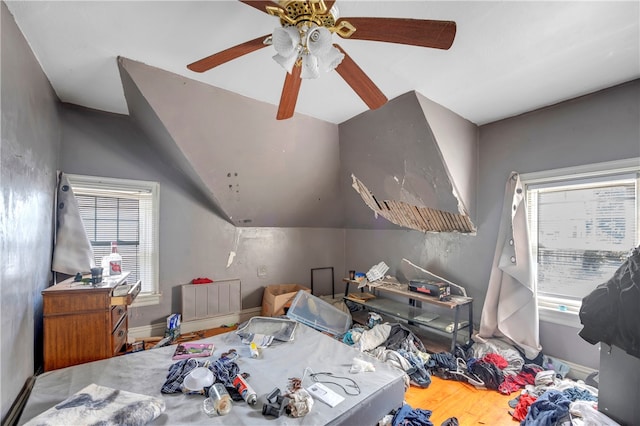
124	211
582	234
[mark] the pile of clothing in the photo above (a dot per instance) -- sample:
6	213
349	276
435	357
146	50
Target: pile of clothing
396	345
545	395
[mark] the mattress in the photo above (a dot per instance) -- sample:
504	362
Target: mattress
145	372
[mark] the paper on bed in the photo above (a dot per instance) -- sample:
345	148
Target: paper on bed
99	404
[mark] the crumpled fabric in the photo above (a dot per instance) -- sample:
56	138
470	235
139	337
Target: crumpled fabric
563	385
373	338
512	356
577	394
526	377
394	359
545	377
178	371
419	374
521	410
407	416
401	337
551	407
224	370
496	360
585	414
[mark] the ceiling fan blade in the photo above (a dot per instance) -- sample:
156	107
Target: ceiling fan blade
260	4
205	64
360	82
415	32
289	95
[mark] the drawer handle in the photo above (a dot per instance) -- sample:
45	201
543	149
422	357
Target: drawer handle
120	333
120	311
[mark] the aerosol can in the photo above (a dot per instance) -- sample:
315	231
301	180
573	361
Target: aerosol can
246	391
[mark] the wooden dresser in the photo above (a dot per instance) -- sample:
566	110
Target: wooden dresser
83	323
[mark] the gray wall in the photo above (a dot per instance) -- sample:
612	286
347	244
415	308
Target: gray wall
262	172
600	127
595	128
28	152
194	241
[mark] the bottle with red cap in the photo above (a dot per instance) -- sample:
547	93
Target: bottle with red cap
115	260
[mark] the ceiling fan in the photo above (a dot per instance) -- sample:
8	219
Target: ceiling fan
304	47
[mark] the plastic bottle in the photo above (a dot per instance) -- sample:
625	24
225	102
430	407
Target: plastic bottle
246	391
115	260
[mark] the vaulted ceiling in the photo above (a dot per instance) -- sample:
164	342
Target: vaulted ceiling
508	57
412	160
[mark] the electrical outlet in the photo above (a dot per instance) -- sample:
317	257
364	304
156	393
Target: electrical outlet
262	271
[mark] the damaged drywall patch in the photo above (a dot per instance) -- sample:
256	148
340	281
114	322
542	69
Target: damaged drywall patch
420	218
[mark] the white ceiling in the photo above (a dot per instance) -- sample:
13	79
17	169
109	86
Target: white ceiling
508	57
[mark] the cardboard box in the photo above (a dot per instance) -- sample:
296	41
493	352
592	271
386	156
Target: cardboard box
277	296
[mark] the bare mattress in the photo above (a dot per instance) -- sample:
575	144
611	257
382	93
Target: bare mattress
145	372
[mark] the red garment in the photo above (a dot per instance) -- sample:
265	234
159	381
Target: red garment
522	408
496	359
201	281
513	383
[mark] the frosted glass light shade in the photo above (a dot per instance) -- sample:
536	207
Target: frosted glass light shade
309	66
286	62
285	40
318	40
330	60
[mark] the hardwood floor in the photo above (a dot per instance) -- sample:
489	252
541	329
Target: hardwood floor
471	406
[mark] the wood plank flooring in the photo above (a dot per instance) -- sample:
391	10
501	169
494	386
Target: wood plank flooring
471	406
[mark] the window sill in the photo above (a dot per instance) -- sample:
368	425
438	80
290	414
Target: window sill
555	316
148	299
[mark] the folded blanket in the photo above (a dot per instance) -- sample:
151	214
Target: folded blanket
102	405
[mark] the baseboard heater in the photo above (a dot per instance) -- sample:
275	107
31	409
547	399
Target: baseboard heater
209	300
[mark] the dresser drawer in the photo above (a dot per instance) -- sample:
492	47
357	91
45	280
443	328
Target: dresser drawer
119	336
117	312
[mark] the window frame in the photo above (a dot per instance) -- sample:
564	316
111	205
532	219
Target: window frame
560	310
114	184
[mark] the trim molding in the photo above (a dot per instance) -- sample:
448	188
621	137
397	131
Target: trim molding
195	325
577	372
569	319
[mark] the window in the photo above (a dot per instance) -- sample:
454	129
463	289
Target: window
125	211
583	223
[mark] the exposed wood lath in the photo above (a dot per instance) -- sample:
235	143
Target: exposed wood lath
423	219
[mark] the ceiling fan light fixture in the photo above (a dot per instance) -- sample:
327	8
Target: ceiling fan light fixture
330	59
286	40
286	62
318	40
310	68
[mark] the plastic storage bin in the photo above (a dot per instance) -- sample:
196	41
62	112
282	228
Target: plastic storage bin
316	313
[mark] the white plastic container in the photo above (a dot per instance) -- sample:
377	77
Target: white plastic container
316	313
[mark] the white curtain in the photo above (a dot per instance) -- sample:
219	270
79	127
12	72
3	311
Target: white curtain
72	252
510	308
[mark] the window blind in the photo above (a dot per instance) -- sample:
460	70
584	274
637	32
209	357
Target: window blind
123	213
581	233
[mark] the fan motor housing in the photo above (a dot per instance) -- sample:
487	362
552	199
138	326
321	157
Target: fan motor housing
302	11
